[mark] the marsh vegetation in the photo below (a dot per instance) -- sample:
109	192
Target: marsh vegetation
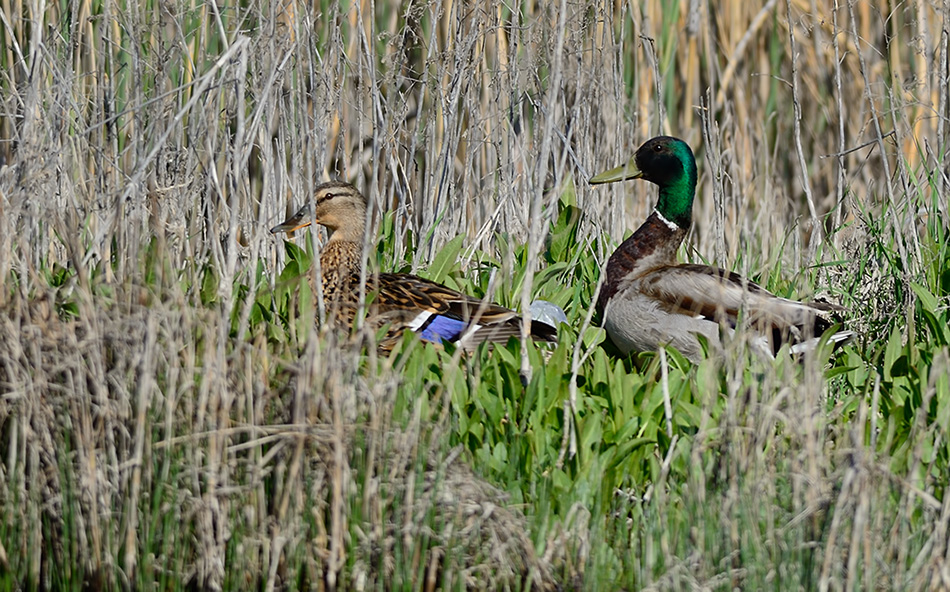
173	416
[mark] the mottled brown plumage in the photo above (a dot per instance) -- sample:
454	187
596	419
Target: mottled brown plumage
649	300
398	301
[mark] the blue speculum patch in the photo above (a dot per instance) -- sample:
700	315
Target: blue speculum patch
443	329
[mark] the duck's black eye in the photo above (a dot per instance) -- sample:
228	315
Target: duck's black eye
326	197
658	147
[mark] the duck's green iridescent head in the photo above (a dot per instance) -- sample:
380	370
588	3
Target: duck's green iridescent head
670	164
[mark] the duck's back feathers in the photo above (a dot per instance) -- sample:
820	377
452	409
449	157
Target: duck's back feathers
720	295
442	314
703	298
404	302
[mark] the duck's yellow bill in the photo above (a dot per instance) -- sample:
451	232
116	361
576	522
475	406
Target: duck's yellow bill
301	219
621	173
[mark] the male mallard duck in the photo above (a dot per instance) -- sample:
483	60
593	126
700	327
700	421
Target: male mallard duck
649	300
402	301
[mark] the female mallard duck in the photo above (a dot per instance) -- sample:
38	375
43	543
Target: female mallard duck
649	300
401	301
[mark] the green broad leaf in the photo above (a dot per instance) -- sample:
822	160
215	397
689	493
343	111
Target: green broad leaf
839	370
851	405
295	253
568	195
508	357
275	333
519	272
500	454
564	233
655	404
387	225
892	352
900	367
616	420
264	297
548	273
308	305
944	282
934	317
677	360
925	447
620	380
494	408
859	372
59	276
290	274
632	391
629	446
563	298
259	314
561	480
594	336
591	431
483	455
687	415
628	430
600	371
69	308
927	300
942	395
445	260
209	286
463	424
940	328
477	431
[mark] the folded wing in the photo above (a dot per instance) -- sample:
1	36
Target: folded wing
727	298
438	313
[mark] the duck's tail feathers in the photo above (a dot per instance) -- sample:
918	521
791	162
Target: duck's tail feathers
500	332
836	339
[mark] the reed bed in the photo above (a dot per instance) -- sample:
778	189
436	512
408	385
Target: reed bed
172	416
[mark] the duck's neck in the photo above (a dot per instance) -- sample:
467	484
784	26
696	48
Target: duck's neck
350	233
339	260
653	245
675	202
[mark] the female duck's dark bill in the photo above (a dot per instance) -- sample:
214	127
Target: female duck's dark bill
301	219
621	173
